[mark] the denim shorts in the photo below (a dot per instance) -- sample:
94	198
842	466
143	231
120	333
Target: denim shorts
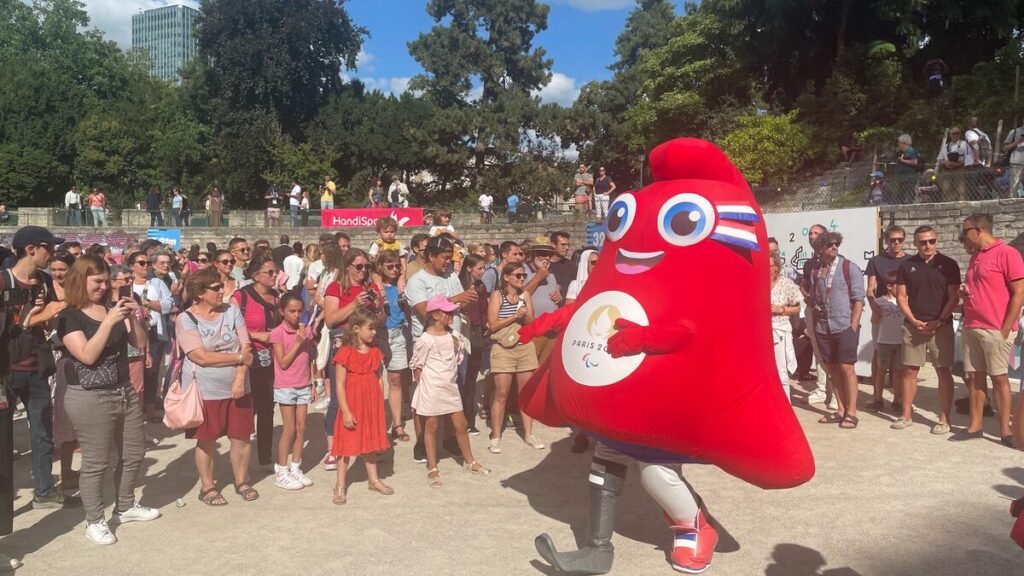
293	396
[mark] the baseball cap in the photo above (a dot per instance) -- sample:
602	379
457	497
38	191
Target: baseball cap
34	236
441	303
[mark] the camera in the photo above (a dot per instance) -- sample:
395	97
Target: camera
371	296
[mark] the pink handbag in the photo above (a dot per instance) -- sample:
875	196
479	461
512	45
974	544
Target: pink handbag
183	410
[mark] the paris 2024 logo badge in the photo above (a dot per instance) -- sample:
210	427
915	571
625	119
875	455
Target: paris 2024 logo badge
585	346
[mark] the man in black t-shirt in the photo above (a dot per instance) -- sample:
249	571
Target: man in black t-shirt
561	266
283	251
28	304
927	286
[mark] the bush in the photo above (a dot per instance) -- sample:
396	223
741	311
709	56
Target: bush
768	148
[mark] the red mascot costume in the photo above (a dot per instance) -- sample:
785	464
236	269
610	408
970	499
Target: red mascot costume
666	357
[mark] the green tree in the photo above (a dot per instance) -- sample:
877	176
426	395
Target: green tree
489	44
768	148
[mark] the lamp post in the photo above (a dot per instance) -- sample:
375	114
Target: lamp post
641	157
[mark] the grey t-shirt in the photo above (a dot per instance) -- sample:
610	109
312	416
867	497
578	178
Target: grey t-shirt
422	287
587	183
541	296
225	333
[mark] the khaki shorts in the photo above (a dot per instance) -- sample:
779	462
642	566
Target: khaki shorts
917	347
522	358
986	351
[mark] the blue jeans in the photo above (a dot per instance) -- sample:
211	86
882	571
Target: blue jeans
99	216
327	205
295	216
34	392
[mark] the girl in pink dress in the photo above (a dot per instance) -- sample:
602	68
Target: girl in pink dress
360	429
435	363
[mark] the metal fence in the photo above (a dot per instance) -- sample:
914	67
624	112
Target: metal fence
880	189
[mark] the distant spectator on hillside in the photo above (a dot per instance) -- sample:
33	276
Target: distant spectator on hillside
1012	144
398	194
854	149
935	71
513	206
584	183
980	146
928	188
952	159
604	190
375	195
907	161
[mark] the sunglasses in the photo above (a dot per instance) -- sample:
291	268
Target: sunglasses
268	272
931	241
230	262
216	288
359	267
141	263
390	267
520	275
203	261
832	245
242	250
894	240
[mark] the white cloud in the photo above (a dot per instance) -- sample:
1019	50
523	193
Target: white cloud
395	85
114	17
596	5
363	60
561	89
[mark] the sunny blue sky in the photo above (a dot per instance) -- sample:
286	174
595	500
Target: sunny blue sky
580	38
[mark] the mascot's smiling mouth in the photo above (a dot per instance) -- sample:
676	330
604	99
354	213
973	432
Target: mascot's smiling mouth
627	262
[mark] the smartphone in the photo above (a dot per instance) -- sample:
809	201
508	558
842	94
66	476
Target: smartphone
37	292
124	292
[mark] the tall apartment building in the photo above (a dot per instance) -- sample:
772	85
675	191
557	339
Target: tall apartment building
168	35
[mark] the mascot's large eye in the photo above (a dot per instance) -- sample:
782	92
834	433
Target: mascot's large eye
686	219
621	214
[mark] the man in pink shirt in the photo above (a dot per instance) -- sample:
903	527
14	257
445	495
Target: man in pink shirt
993	293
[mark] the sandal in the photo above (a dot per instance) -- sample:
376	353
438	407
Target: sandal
246	491
434	478
831	418
476	468
381	488
396	436
849	422
339	495
212	497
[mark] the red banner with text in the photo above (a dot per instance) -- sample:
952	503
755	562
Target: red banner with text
367	217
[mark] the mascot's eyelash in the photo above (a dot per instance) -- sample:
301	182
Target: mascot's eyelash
741	233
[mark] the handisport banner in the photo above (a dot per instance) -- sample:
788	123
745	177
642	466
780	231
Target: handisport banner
367	217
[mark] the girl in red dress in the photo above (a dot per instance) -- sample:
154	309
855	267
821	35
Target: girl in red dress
361	429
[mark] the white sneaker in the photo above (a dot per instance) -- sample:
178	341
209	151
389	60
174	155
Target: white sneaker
321	404
532	442
300	476
136	513
494	446
8	564
99	533
285	480
816	397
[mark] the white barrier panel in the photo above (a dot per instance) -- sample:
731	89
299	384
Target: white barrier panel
860	230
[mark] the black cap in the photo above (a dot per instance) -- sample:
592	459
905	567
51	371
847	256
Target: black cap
34	236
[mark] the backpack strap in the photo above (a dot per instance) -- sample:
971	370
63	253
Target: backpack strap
846	276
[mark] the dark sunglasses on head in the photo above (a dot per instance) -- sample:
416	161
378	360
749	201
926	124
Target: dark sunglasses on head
230	262
141	263
441	244
359	267
931	241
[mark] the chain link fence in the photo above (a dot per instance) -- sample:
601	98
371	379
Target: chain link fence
880	189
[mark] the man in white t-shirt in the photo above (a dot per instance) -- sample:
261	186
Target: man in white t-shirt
1012	144
294	200
952	160
485	202
979	143
73	205
398	194
435	279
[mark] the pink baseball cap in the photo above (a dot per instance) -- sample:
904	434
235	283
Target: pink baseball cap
441	303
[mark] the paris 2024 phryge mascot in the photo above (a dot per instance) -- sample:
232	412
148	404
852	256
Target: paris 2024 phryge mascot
666	356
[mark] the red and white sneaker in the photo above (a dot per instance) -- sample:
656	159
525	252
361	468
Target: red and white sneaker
693	545
330	463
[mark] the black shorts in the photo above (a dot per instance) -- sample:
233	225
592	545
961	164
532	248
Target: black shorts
838	347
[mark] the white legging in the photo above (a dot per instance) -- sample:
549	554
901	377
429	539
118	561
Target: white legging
785	357
663	483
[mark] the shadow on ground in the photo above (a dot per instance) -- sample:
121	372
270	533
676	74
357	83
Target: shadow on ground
797	560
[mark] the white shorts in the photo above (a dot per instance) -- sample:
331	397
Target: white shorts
396	355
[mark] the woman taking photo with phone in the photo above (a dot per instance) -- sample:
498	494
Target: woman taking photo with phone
100	401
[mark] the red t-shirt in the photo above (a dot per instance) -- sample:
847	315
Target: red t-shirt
334	289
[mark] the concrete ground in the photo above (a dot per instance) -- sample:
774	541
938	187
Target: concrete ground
883	502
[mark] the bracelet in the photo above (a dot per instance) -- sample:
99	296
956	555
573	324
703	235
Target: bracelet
241	359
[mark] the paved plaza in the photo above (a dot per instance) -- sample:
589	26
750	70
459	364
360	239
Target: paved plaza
883	502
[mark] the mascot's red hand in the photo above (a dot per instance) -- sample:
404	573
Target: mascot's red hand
551	322
633	338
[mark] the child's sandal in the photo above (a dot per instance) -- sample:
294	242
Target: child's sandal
382	488
339	495
479	470
434	478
